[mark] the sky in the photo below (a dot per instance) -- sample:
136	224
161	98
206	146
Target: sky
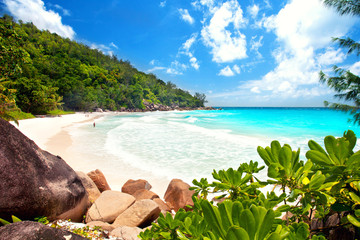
249	53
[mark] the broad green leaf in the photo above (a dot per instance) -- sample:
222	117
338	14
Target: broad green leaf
248	223
331	148
319	158
283	208
353	220
274	236
275	149
264	155
351	137
274	170
181	235
266	224
354	197
237	208
237	233
285	156
316	180
225	209
212	216
354	160
315	146
15	219
4	222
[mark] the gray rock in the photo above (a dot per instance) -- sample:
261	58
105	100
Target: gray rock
91	188
36	183
35	231
140	214
126	233
108	206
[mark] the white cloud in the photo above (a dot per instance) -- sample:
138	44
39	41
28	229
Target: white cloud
226	44
176	68
355	68
255	45
331	56
113	45
65	11
227	72
194	63
188	43
155	69
162	3
35	11
253	10
236	69
186	16
185	49
303	28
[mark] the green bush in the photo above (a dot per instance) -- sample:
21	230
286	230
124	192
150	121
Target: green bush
327	183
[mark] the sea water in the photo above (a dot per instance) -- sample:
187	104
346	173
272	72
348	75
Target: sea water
190	144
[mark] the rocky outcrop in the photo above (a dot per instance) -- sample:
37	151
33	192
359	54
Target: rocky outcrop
108	206
99	179
126	233
90	187
35	231
140	214
36	183
131	186
178	195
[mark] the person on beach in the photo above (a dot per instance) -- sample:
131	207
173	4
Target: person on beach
94	124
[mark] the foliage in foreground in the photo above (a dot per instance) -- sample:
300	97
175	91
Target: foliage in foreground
344	82
327	183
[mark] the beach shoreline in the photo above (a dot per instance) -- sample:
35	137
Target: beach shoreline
53	134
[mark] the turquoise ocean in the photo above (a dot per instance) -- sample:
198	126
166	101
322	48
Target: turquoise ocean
190	144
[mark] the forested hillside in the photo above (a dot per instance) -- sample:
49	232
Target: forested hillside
41	71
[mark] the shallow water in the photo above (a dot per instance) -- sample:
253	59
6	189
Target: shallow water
191	144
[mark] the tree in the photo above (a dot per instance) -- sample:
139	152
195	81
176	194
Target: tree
12	57
344	82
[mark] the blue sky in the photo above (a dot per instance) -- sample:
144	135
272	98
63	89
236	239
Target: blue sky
239	53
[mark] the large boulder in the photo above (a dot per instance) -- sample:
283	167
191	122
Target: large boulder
140	214
164	208
99	179
144	194
126	233
108	206
178	195
36	183
131	186
90	186
35	231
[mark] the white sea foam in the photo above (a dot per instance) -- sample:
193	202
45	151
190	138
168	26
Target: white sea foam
184	145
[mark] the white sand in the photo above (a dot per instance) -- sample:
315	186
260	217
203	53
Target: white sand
52	135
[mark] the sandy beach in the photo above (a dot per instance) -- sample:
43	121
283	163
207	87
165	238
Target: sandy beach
53	134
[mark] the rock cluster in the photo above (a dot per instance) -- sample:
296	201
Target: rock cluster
36	183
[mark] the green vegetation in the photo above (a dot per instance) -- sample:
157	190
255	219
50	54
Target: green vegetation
326	184
42	72
344	82
13	218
